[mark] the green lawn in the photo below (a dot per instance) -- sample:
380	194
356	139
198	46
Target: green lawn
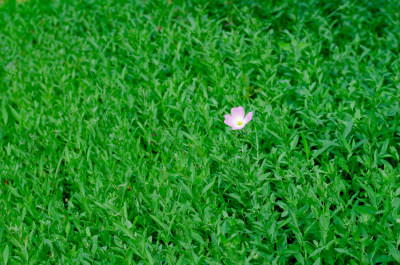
113	147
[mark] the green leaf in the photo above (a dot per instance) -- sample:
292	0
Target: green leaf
317	261
274	134
197	237
155	218
305	144
302	45
345	143
236	197
123	229
394	252
294	142
186	188
325	147
384	147
365	210
206	188
347	130
345	251
5	255
285	46
15	114
5	115
317	251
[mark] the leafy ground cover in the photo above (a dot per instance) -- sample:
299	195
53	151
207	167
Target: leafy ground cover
113	147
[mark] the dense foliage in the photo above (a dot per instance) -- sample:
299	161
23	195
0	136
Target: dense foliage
113	147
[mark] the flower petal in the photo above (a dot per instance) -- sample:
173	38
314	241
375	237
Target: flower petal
229	120
237	112
236	127
248	117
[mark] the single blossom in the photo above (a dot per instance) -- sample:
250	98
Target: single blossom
237	120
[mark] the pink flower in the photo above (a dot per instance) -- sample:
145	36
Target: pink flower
237	120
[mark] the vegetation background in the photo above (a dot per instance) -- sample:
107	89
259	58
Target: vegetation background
113	148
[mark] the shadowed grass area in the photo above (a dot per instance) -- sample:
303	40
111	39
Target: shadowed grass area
113	147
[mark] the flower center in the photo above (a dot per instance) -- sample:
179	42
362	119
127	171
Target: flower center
239	122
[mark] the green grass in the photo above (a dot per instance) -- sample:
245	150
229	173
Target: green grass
113	148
